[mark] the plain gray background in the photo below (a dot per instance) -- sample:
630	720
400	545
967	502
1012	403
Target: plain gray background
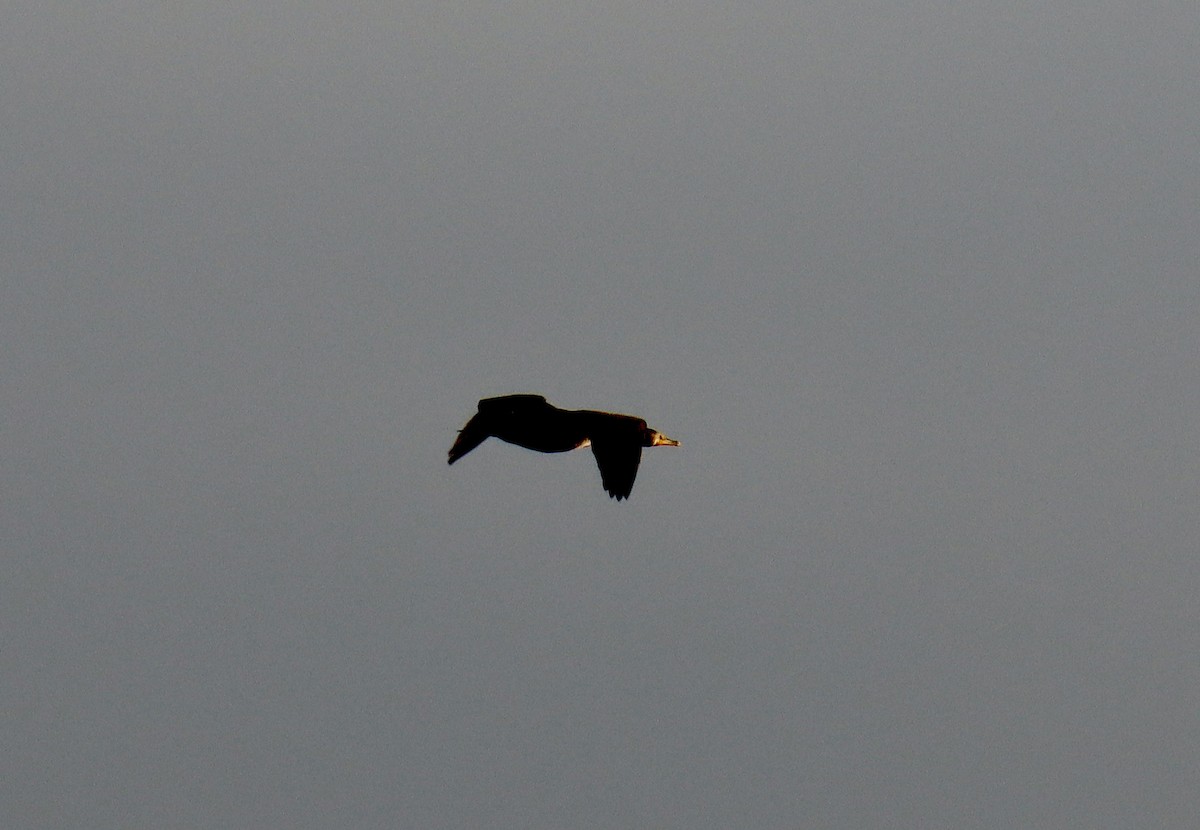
915	283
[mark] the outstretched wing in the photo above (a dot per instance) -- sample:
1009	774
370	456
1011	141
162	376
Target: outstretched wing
618	462
469	437
512	403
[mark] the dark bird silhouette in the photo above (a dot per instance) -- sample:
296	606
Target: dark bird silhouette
529	421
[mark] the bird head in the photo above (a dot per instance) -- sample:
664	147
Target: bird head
654	438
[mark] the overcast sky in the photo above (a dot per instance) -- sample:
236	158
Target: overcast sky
915	284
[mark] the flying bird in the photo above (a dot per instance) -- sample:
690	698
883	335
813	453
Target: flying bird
529	421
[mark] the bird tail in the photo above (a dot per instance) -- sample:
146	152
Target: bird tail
469	437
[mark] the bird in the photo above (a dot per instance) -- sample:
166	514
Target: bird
530	421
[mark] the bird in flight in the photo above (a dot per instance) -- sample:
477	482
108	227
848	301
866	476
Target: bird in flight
529	421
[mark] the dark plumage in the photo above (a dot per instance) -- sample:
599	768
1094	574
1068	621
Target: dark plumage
529	421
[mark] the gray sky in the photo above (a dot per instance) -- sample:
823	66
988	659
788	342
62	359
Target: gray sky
914	283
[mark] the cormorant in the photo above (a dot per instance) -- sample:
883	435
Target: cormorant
529	421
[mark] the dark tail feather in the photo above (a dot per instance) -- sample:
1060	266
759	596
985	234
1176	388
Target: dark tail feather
469	437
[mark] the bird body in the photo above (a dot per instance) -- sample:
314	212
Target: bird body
530	421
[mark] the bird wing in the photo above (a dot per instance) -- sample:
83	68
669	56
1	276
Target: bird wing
512	403
618	462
